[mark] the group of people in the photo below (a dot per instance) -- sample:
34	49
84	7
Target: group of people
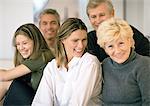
65	65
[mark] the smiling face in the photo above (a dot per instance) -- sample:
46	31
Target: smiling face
49	26
24	46
75	44
99	14
118	50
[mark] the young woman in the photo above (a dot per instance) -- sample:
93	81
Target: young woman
31	56
74	77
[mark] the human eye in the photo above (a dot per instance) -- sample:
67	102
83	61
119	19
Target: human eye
93	16
54	22
75	40
121	43
44	23
17	44
26	42
84	40
102	14
109	46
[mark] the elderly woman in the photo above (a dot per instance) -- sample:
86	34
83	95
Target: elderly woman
126	73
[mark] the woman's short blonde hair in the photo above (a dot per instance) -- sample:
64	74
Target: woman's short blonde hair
112	29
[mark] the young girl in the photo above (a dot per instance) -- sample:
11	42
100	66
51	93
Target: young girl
31	56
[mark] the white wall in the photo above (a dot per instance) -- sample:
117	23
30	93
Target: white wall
118	6
13	14
135	13
138	15
83	15
0	26
66	8
147	18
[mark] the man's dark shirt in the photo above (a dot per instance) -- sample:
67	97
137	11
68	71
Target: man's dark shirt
142	45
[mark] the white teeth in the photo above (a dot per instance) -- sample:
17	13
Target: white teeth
23	52
49	31
79	50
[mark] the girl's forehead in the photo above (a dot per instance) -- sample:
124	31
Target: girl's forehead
22	37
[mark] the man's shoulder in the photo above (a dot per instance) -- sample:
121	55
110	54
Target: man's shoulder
93	32
141	42
91	35
136	31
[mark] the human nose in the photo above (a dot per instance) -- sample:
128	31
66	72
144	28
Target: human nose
48	26
117	50
98	20
80	45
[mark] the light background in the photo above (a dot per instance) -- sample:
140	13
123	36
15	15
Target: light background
14	13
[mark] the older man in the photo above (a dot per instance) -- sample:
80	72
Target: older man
101	10
49	23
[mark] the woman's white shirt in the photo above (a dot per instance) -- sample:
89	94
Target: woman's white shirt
80	85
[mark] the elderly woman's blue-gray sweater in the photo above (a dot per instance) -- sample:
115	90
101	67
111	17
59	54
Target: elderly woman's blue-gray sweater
127	84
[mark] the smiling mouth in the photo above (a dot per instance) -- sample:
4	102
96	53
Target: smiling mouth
23	53
78	50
